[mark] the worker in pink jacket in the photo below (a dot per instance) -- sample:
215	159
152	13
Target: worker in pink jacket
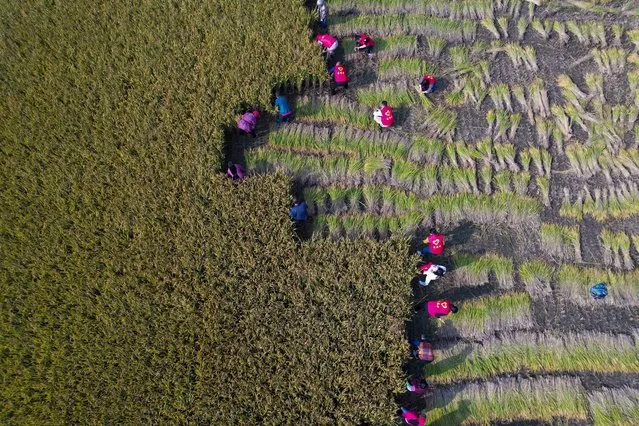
328	43
413	418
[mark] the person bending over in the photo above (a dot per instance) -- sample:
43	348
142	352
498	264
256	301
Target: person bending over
340	77
384	116
431	272
427	84
365	43
437	308
434	244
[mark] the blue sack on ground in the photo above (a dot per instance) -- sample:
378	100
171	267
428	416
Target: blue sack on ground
599	291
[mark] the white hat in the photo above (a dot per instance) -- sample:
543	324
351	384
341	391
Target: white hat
320	2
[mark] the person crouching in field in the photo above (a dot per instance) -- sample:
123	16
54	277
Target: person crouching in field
299	211
437	308
384	116
248	122
417	386
283	108
427	84
340	77
421	349
431	272
434	244
234	171
328	43
365	43
412	418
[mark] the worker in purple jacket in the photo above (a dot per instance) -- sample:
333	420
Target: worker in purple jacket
248	122
235	171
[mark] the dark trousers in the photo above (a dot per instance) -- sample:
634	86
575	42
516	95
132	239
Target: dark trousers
337	85
285	118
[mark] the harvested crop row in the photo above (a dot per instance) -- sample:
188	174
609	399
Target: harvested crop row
536	276
365	158
483	316
561	242
462	9
345	26
588	161
304	139
616	251
614	202
573	283
498	208
404	68
475	270
508	400
334	110
386	47
619	407
537	353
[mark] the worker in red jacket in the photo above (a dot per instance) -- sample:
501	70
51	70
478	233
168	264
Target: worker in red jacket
365	43
427	84
434	244
340	77
431	272
384	115
438	308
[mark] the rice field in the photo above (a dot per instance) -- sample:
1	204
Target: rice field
530	145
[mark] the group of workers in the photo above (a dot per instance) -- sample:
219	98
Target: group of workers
248	121
383	115
421	349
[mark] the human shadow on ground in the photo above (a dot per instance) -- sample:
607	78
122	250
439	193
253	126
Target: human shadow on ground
461	294
461	234
456	417
452	362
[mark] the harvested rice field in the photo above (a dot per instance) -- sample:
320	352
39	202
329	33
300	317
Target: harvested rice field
526	157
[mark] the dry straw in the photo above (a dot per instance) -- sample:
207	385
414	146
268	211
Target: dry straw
561	242
509	400
537	353
488	314
574	283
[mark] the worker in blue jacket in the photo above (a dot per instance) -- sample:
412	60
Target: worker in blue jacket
283	108
299	211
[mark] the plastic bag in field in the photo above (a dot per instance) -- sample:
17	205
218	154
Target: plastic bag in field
599	291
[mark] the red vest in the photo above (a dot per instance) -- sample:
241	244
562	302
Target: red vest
365	40
438	307
326	40
387	116
425	267
340	74
436	243
430	79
